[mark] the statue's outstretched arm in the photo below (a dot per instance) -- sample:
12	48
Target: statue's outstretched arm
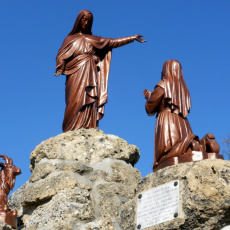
118	42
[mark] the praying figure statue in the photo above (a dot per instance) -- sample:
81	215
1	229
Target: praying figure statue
174	141
85	60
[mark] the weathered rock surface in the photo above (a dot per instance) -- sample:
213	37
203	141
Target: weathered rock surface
4	226
204	194
15	202
73	199
68	207
85	145
85	180
80	180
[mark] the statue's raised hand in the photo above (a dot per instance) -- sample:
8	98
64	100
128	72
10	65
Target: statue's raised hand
139	39
147	94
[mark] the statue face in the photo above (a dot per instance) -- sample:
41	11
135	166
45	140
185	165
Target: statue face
86	21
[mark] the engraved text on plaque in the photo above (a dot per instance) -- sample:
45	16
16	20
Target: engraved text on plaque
158	205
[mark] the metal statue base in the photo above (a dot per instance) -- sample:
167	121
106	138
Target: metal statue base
188	157
9	217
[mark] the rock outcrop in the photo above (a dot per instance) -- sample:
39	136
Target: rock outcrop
80	180
204	194
86	180
85	145
4	226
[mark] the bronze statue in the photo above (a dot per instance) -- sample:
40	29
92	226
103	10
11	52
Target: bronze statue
85	60
7	180
174	141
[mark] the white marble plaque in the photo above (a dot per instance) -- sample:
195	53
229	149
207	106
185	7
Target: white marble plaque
158	205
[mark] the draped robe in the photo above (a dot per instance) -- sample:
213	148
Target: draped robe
173	133
85	60
171	101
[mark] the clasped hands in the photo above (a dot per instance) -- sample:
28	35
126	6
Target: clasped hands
147	94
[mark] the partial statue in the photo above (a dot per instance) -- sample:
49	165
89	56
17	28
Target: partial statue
7	180
85	60
174	141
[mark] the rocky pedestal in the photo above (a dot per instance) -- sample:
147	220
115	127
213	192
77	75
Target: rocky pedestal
85	180
4	226
204	195
80	180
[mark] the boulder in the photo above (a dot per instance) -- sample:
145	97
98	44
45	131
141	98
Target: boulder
80	180
4	226
85	145
85	180
204	194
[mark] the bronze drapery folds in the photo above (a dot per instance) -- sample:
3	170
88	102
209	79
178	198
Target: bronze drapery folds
7	180
85	60
174	141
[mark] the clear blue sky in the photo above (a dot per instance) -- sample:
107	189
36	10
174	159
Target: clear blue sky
32	100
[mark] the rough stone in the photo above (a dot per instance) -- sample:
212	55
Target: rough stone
204	194
87	146
79	180
99	175
100	224
111	189
15	203
45	167
128	215
4	226
42	190
109	192
125	174
67	208
85	180
112	196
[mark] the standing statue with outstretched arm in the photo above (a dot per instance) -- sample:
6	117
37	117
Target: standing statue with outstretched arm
85	60
174	141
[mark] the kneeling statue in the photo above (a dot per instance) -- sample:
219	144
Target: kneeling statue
174	141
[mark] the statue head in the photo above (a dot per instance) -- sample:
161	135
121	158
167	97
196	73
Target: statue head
176	90
172	70
83	23
10	171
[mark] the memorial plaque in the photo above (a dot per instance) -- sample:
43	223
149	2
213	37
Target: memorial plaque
158	205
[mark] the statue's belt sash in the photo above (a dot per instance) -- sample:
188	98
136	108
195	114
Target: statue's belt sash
76	63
